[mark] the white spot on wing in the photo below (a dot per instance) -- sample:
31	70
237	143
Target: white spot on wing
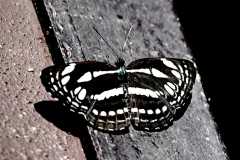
176	74
187	79
121	128
149	111
182	93
159	74
179	83
103	113
72	110
74	107
65	80
169	64
172	102
164	108
161	93
95	112
100	127
77	90
65	88
157	111
125	109
181	69
82	94
179	98
57	75
142	111
58	82
68	69
154	120
134	110
157	128
168	89
121	121
119	111
171	85
111	113
75	104
186	72
69	99
52	79
157	93
85	78
71	92
143	120
84	107
55	87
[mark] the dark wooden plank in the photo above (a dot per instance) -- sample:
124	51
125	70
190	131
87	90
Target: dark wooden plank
156	33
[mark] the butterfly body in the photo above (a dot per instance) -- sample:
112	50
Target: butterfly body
148	93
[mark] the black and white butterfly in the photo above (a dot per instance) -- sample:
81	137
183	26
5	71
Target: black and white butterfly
148	93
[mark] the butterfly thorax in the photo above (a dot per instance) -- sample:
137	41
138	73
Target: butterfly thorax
122	74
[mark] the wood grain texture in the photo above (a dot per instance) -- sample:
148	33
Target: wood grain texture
156	32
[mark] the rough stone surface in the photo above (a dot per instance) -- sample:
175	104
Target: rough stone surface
156	32
24	134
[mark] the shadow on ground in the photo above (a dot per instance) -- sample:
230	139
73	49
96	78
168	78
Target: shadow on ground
67	121
55	113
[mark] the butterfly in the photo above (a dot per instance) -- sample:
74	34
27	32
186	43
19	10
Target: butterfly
148	94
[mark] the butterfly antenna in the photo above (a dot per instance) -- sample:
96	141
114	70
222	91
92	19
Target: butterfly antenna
83	54
127	38
113	50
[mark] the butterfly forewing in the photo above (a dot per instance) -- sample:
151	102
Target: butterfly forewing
160	91
92	89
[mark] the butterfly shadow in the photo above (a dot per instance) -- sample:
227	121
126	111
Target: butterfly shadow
67	121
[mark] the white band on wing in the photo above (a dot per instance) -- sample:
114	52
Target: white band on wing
155	72
109	93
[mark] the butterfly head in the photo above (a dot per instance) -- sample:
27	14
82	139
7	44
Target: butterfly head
120	63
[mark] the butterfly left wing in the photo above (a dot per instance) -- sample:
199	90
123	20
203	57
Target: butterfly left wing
92	89
159	91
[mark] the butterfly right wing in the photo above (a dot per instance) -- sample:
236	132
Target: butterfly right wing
92	89
160	91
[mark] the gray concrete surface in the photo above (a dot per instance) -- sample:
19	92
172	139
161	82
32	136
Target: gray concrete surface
156	33
24	134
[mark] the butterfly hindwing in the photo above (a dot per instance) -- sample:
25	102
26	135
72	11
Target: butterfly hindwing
160	91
